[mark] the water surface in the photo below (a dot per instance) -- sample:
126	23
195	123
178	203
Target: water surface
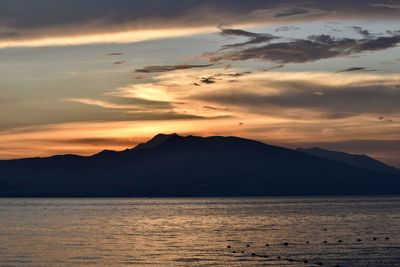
196	232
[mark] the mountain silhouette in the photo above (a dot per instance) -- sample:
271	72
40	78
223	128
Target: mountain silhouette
173	165
360	161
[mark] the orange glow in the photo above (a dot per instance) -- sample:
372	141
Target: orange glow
101	38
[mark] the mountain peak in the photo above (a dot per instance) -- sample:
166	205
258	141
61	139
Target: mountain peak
156	141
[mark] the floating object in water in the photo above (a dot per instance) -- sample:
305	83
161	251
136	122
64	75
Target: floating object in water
265	256
248	246
286	244
279	257
228	246
305	261
374	238
325	229
387	238
253	254
340	241
234	251
307	242
359	240
267	245
242	252
325	241
320	263
290	260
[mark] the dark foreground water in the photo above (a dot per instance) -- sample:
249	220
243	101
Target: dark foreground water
196	232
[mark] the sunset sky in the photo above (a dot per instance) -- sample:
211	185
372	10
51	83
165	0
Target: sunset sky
82	76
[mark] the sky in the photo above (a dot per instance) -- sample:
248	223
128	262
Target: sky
77	77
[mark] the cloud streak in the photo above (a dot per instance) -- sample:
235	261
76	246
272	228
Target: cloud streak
66	22
313	48
255	38
168	68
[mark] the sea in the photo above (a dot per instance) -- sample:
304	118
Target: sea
274	231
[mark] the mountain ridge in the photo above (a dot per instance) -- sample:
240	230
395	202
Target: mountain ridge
173	165
358	160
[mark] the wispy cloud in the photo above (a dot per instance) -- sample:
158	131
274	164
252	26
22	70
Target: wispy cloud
355	69
255	38
71	22
167	68
313	48
386	5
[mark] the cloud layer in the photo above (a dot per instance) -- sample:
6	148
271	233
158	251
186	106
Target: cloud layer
24	20
313	48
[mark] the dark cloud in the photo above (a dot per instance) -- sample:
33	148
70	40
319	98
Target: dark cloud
208	80
384	119
235	74
238	74
379	43
334	102
255	38
362	31
352	69
119	62
273	67
214	108
220	76
156	69
103	141
307	50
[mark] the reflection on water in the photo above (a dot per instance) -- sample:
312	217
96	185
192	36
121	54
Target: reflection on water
196	232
